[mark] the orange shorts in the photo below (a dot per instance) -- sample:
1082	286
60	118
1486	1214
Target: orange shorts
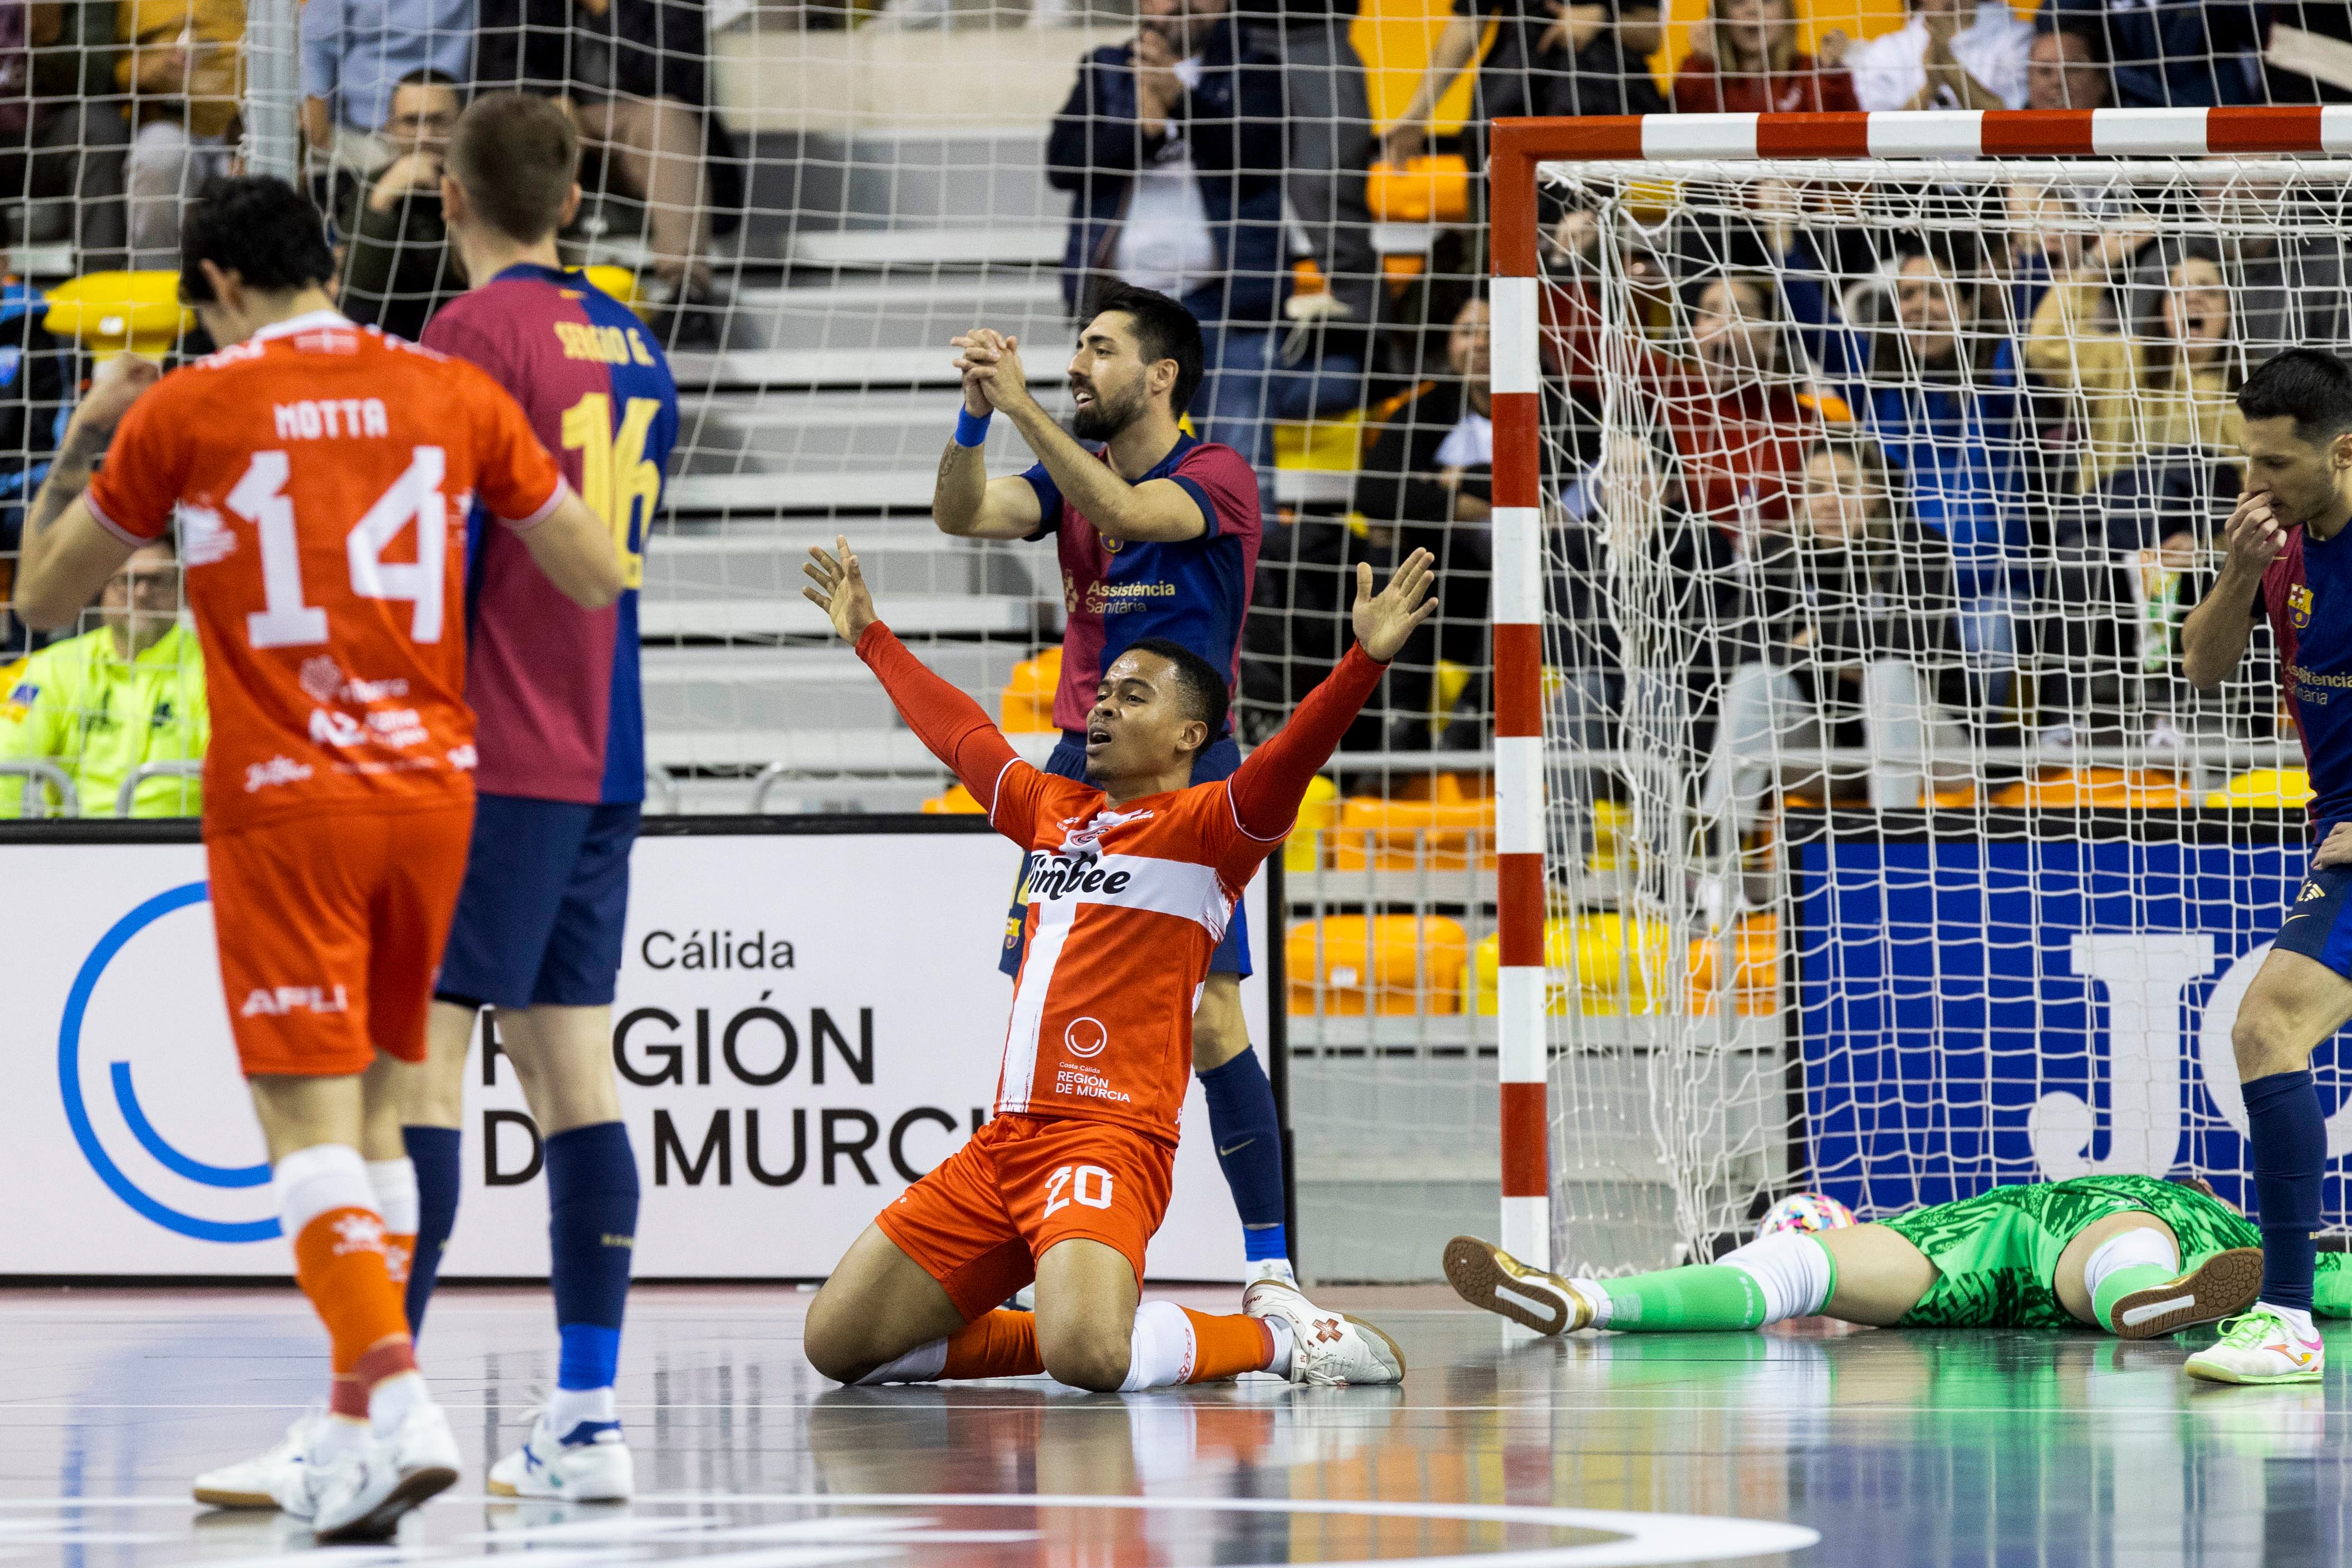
980	1220
330	930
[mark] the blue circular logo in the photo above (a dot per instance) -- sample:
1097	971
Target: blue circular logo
126	1097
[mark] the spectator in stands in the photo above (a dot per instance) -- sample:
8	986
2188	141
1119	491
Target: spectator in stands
1734	396
36	378
182	70
1935	385
1750	64
63	133
355	55
1172	147
1428	483
2155	372
2172	55
1579	59
2066	69
2282	254
635	76
1853	606
101	704
1935	61
398	265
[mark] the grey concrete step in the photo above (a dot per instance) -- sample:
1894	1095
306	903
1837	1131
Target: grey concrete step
918	312
817	752
965	245
957	615
723	691
901	558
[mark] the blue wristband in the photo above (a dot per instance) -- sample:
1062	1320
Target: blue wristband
972	429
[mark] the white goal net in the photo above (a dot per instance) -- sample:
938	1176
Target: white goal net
1889	853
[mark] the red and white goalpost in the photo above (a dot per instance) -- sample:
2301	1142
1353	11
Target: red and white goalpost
1597	1086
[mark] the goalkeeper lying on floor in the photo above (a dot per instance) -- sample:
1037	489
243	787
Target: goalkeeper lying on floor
2098	1249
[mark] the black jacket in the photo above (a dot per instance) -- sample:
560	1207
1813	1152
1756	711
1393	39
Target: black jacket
1819	610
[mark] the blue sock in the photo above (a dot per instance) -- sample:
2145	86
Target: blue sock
592	1233
1248	1136
2288	1140
434	1151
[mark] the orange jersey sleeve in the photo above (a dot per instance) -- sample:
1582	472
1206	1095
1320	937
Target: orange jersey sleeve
146	465
518	480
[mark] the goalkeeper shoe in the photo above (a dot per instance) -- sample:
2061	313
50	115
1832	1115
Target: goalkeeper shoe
271	1480
1327	1347
591	1463
1485	1275
2221	1286
2261	1345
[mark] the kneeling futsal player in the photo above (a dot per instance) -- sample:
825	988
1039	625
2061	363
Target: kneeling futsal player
1136	875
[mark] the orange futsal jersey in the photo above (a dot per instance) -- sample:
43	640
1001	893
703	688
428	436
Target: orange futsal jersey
323	475
1126	903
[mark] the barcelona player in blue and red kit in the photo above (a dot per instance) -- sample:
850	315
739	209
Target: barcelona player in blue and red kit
561	776
2289	561
1158	539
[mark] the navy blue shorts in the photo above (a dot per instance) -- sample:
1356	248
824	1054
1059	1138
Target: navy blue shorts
539	918
1217	761
2319	926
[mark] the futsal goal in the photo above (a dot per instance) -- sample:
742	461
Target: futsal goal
1853	474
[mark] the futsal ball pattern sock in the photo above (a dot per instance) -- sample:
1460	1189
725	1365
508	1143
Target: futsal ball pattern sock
2127	1261
433	1156
326	1204
2288	1138
394	1185
1248	1136
592	1232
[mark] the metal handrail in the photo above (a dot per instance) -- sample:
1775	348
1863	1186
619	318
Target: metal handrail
33	768
660	781
128	795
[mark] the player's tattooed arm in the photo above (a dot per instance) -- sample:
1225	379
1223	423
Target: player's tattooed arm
112	391
965	502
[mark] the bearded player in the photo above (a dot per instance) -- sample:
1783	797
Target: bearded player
2105	1251
2288	561
1139	871
321	474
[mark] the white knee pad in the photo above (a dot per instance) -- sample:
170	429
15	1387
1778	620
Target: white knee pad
394	1185
2140	1245
1791	1270
318	1179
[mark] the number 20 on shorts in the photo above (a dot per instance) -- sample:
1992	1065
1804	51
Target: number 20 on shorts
1087	1185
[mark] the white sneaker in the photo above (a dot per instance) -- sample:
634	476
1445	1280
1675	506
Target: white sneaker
591	1463
363	1499
2261	1345
1485	1275
1325	1347
266	1480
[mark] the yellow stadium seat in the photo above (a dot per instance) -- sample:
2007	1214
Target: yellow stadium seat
108	313
1027	707
618	281
1412	834
1446	789
1392	965
2109	789
957	801
1755	982
1318	811
1425	190
2273	789
1606	964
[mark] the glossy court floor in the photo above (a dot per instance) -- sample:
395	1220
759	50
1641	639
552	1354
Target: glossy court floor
2047	1449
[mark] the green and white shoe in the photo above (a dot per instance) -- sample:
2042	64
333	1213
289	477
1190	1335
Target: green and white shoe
2261	1345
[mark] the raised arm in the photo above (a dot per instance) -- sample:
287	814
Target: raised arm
952	725
1273	779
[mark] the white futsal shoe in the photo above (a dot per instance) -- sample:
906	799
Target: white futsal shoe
589	1464
361	1497
1325	1347
2261	1345
266	1480
1485	1275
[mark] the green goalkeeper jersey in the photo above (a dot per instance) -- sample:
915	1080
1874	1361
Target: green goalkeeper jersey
78	704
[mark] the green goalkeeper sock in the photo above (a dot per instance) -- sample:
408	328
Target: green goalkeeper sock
2121	1283
1703	1296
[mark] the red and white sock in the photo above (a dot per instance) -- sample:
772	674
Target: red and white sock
327	1207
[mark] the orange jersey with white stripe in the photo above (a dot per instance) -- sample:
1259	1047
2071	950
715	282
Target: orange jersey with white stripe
1127	903
322	474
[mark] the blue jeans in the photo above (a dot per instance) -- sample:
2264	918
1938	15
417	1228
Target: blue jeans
1248	389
